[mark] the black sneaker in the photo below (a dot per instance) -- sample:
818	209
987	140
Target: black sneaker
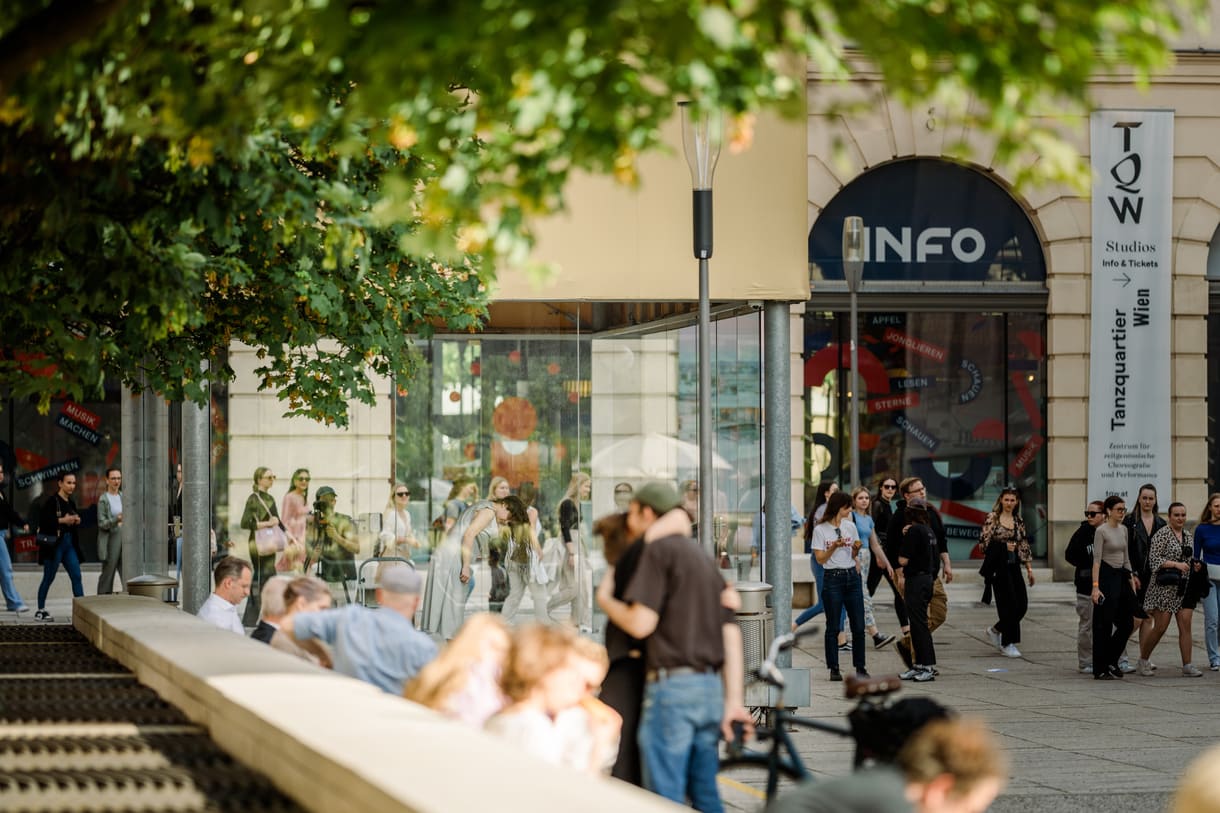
863	673
845	646
43	615
881	640
1104	676
836	676
1115	672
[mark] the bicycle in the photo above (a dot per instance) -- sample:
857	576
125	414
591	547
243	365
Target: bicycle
878	730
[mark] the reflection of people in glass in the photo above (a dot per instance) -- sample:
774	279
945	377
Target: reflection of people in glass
294	512
333	543
622	496
451	571
524	557
575	586
463	491
397	538
13	601
259	513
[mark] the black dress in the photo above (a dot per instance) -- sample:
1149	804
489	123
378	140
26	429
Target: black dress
623	688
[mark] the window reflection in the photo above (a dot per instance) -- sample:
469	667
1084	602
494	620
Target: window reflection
954	398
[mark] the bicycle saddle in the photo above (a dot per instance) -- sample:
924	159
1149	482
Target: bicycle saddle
854	687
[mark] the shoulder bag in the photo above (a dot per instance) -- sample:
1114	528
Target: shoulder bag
269	540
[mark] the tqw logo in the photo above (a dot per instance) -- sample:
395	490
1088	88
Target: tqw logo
1126	175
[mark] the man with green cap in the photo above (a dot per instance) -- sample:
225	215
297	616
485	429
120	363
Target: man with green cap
673	602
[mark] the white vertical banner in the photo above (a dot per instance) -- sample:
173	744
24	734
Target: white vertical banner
1132	267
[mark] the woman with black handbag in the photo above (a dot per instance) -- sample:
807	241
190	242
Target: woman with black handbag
1172	592
58	542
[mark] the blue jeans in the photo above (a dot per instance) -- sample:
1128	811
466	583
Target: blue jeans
1211	623
844	590
680	739
65	553
12	599
818	578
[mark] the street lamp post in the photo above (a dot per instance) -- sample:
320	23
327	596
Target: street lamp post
853	271
701	136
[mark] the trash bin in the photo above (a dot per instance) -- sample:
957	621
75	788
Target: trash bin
757	622
157	587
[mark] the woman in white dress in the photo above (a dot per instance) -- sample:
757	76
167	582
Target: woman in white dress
397	538
451	569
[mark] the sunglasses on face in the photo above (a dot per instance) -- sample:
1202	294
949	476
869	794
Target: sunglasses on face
1092	513
890	486
402	493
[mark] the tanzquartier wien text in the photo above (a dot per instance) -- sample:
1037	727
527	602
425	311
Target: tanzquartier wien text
1138	318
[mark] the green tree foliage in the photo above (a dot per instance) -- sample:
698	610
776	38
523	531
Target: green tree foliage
319	179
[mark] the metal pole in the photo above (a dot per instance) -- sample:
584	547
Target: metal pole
707	486
855	393
196	507
777	464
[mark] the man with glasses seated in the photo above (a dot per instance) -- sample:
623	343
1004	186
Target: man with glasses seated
938	608
1079	554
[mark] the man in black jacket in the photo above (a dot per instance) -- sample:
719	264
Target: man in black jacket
1079	554
938	608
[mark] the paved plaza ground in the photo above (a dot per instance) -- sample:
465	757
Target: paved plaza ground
1075	744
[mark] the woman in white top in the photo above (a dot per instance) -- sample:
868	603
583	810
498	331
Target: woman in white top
836	546
397	538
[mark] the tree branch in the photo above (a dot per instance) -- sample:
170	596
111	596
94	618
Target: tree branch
51	30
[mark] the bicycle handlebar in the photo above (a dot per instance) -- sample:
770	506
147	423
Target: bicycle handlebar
853	686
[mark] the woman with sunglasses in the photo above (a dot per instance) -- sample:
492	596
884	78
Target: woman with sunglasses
1006	551
397	538
883	511
294	511
1113	593
1079	554
259	513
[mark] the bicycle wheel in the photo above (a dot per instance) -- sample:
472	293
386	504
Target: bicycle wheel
752	776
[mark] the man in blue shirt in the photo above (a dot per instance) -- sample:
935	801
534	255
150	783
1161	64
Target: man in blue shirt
380	646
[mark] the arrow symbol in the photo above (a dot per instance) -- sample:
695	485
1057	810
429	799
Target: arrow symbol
1126	279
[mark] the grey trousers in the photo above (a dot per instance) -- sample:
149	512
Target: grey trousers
1084	631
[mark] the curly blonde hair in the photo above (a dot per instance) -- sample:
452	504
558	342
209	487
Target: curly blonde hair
537	651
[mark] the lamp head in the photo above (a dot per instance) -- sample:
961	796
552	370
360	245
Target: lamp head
853	251
702	134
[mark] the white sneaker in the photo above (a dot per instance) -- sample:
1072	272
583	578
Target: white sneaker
1126	668
1190	670
1086	669
1145	668
994	636
1011	651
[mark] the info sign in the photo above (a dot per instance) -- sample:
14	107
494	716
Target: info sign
1132	266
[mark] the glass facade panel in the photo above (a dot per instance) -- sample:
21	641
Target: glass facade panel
81	438
620	406
957	399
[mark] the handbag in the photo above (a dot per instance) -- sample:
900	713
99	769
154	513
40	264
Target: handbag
269	540
1169	577
46	541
